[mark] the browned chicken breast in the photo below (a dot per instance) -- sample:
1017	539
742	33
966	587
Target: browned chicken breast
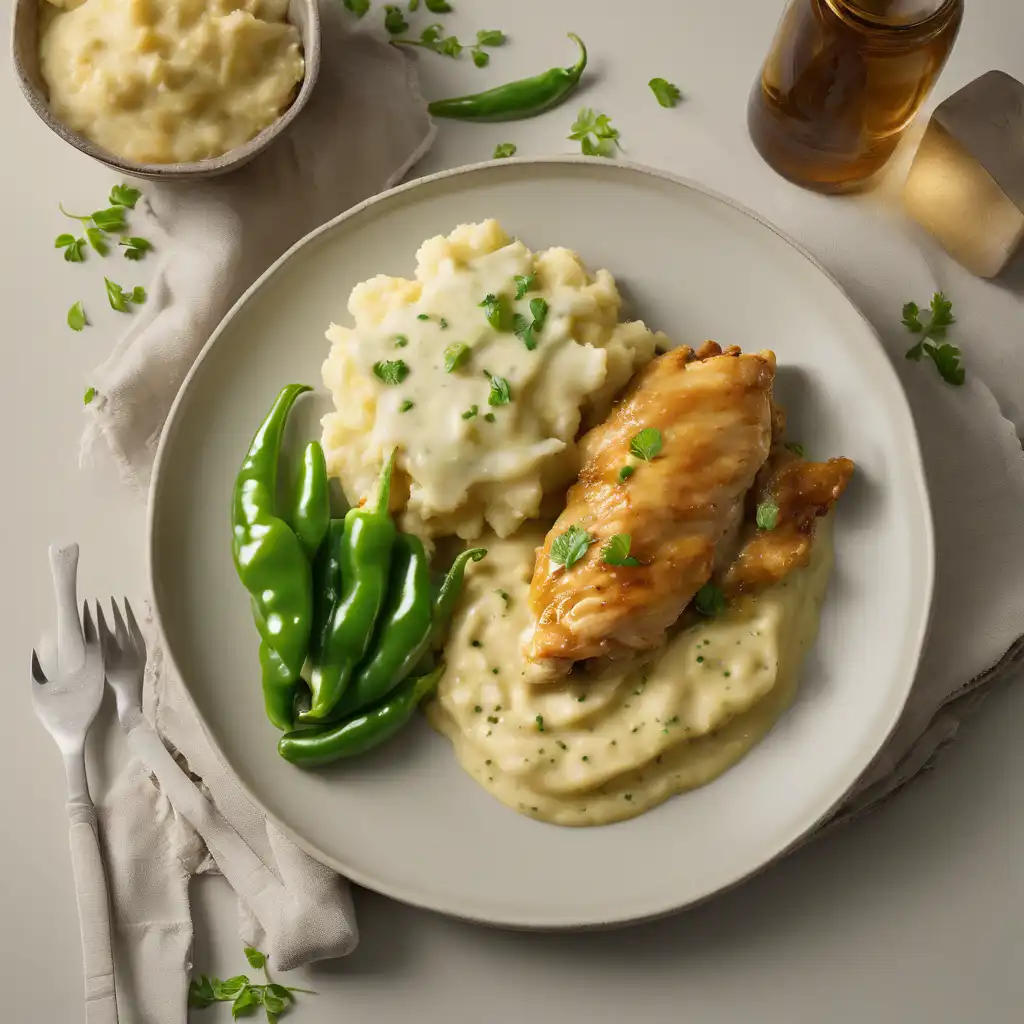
714	415
802	492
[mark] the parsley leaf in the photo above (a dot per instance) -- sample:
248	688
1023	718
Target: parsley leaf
360	7
401	341
616	551
501	151
456	356
667	94
109	220
225	991
481	58
796	448
767	515
394	21
63	240
438	6
500	394
135	247
471	412
97	241
626	472
569	547
524	284
498	311
523	329
539	311
76	317
709	600
490	37
945	356
73	247
391	371
407	405
433	38
116	296
137	294
124	195
595	133
646	445
90	394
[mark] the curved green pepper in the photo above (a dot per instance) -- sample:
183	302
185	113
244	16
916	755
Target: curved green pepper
365	557
524	98
312	747
271	563
448	595
326	587
311	511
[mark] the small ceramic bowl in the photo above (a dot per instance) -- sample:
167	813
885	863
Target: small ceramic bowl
303	14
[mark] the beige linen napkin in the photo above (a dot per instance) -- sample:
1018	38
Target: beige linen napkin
365	126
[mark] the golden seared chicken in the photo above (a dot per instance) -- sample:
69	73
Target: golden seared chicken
794	494
710	416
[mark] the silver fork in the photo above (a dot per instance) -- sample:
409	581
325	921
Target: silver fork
67	705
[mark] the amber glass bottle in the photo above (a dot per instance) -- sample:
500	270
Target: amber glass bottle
843	81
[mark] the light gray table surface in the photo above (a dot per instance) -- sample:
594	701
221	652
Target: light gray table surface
915	914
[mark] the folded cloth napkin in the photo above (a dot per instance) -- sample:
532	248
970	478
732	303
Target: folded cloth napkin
212	241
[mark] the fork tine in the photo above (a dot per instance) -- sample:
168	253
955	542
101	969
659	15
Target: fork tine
37	670
133	626
88	626
106	637
120	629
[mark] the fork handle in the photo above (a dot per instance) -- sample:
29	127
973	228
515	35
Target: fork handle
93	914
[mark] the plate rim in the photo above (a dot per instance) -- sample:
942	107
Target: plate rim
925	534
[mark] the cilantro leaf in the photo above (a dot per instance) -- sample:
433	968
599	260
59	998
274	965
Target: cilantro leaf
646	445
523	330
946	357
490	37
90	394
625	473
523	284
595	133
97	241
124	195
501	393
616	551
391	371
394	21
501	151
109	220
667	94
767	515
360	7
481	58
438	6
796	448
401	341
569	547
456	356
76	317
709	600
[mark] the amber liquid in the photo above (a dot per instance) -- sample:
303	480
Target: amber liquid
842	82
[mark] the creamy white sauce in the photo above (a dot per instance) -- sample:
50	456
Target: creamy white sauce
164	81
467	461
603	747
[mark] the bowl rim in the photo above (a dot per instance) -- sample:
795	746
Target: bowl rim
194	169
915	643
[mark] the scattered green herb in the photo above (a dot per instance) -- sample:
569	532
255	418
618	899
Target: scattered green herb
119	298
523	284
406	405
569	547
646	445
111	219
540	723
77	319
539	312
625	473
505	596
471	412
422	316
501	393
498	311
391	371
796	448
72	247
595	133
90	394
244	994
414	6
134	247
456	356
124	195
616	551
481	58
490	417
433	38
401	341
501	151
667	94
933	329
394	20
522	327
767	515
438	6
709	600
490	37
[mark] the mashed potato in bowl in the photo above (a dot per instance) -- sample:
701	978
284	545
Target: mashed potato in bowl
485	419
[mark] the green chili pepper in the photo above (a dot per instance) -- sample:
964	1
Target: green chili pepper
524	98
312	747
403	630
312	506
448	595
271	563
365	558
326	586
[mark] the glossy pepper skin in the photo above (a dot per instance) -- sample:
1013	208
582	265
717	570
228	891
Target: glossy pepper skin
526	97
310	748
365	557
271	563
451	590
326	587
311	508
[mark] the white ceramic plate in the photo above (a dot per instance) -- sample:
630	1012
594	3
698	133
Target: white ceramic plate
406	820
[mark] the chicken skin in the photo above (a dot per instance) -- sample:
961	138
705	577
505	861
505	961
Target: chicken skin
715	421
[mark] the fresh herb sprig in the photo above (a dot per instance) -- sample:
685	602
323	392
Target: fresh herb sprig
525	328
932	333
595	133
98	225
120	299
245	995
667	94
569	547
